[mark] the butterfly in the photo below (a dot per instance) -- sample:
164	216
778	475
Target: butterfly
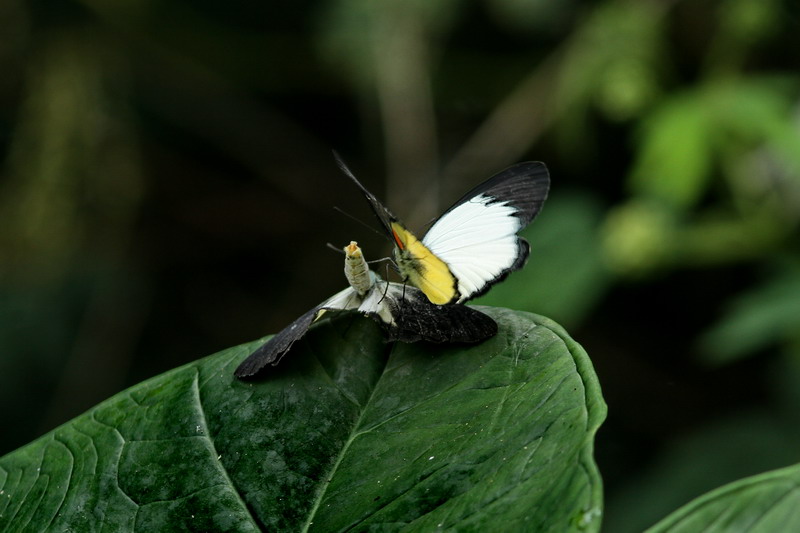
472	245
404	313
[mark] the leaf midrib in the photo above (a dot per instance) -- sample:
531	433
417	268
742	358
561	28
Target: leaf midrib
354	434
213	448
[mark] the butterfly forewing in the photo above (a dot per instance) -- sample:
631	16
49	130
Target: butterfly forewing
477	236
272	351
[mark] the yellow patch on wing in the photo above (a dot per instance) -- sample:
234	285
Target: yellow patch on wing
423	268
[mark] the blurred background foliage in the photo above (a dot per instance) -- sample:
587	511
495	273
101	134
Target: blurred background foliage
166	191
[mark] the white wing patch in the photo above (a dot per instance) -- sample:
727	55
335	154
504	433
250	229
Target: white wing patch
376	302
478	241
345	299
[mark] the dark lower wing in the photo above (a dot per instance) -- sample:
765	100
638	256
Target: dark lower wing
416	318
271	352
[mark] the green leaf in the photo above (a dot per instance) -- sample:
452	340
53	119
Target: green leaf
674	162
347	433
766	314
730	447
768	502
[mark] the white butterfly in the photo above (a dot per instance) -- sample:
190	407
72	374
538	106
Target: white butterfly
474	244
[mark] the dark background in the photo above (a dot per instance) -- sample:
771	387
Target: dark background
167	185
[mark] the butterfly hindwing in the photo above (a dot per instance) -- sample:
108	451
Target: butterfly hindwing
415	318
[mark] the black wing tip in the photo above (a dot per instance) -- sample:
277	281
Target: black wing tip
524	185
535	180
264	356
384	216
253	372
246	374
346	170
537	171
274	349
533	167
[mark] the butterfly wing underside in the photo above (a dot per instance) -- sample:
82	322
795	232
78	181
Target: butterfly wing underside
404	313
272	351
408	316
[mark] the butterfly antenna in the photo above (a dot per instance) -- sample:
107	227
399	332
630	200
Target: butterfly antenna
348	215
335	248
349	173
388	260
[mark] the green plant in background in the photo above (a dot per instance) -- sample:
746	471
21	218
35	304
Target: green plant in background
767	502
766	315
714	182
71	188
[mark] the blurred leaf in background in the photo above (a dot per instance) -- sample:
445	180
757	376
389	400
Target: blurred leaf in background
766	316
70	193
565	276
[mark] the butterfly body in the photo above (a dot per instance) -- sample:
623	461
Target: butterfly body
422	268
356	269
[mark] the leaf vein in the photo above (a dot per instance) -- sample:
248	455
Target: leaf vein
56	440
326	479
215	456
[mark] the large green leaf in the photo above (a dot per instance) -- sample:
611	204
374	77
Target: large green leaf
348	433
767	503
